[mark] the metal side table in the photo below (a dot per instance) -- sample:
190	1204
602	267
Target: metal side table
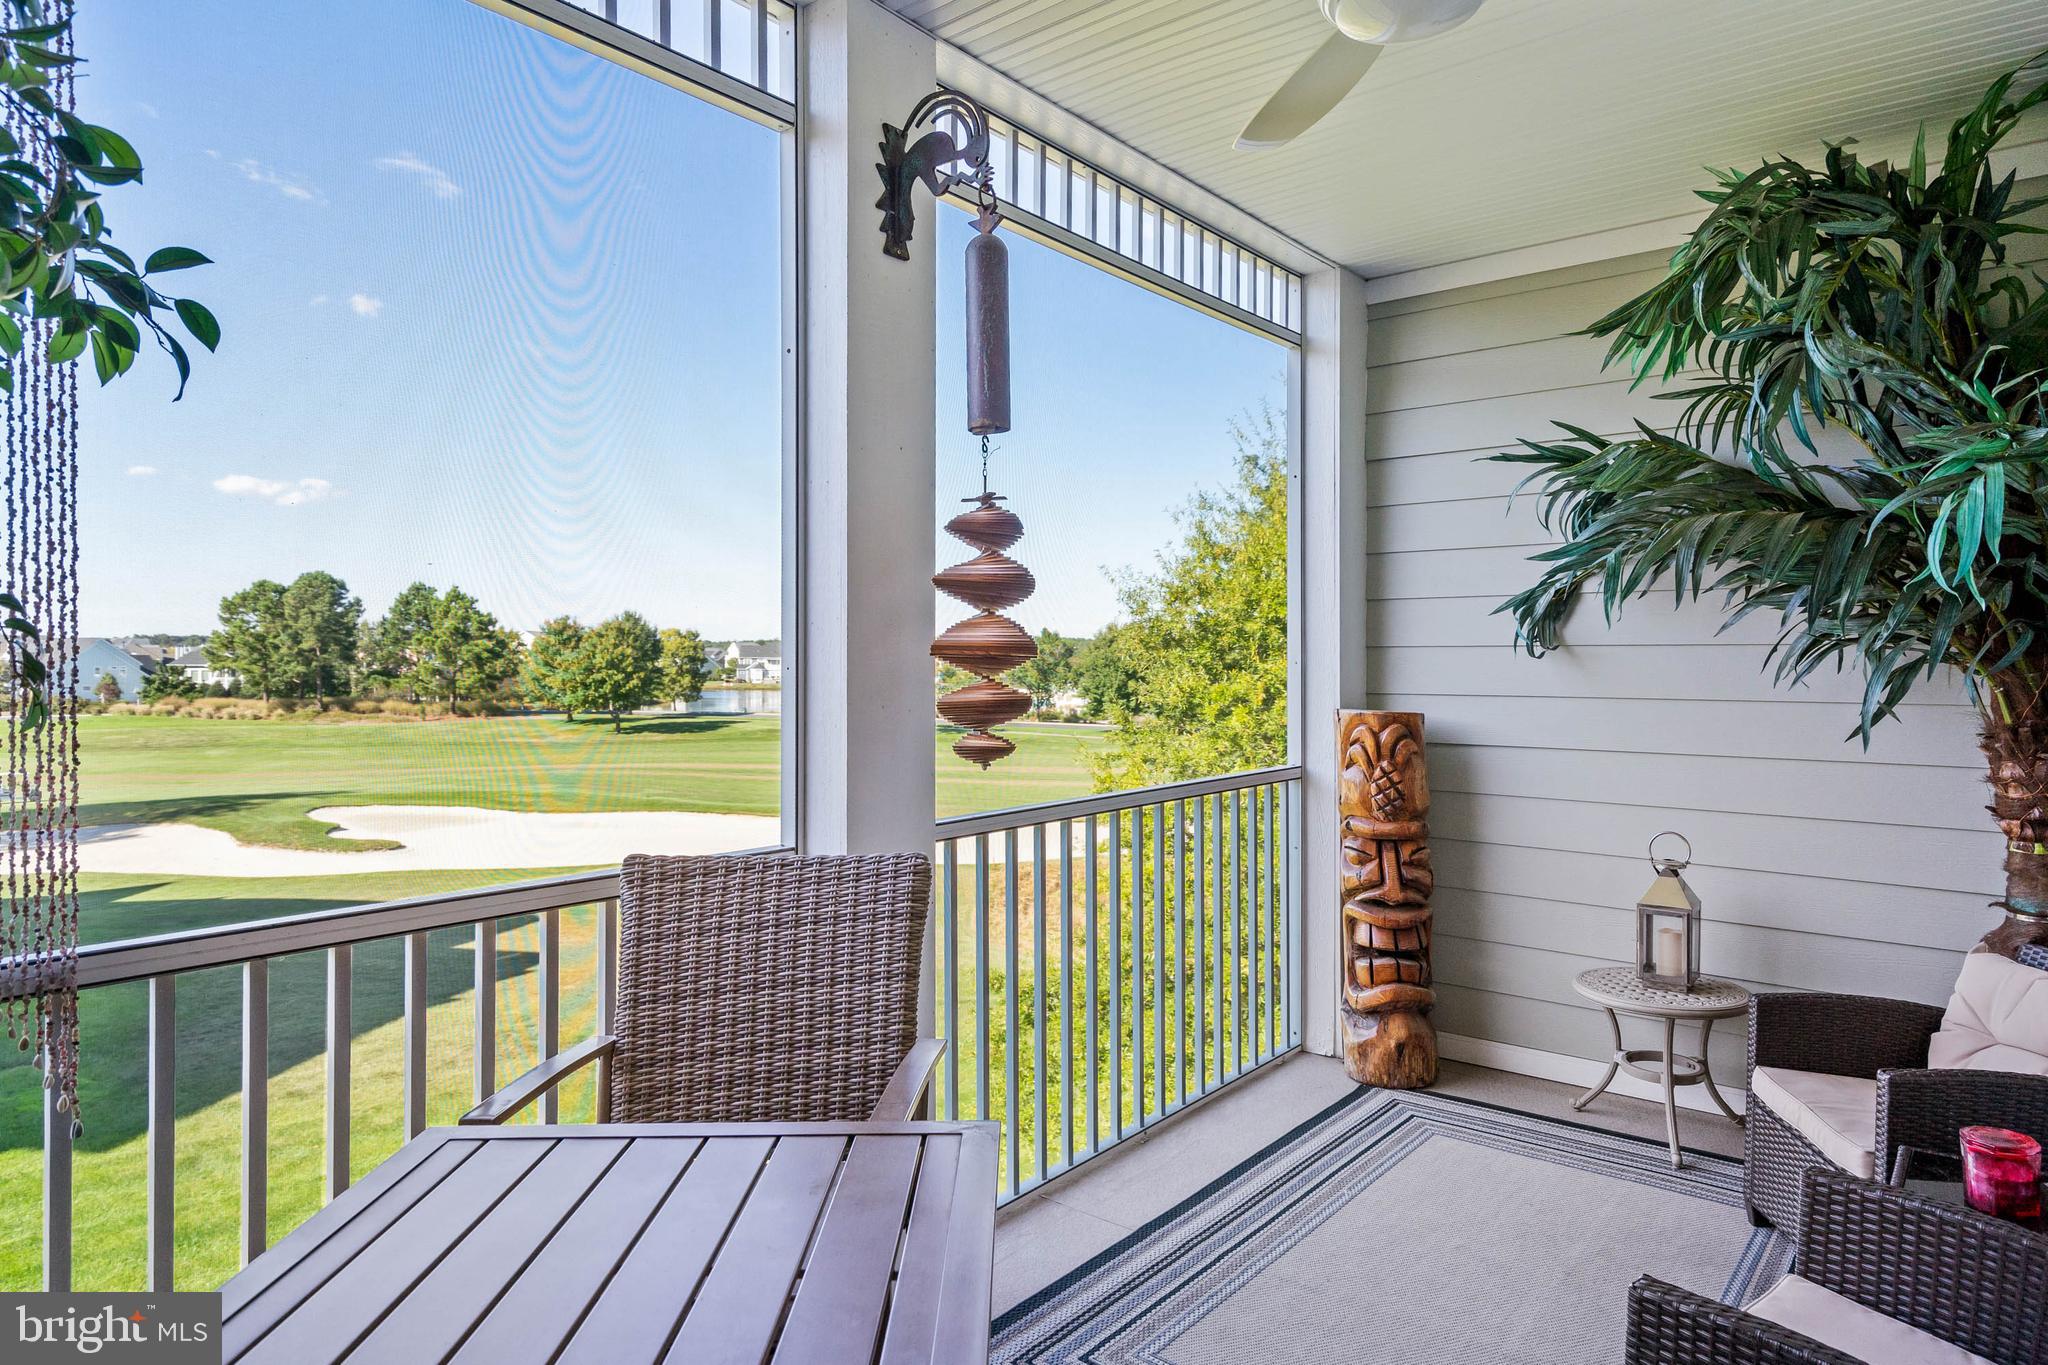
1619	991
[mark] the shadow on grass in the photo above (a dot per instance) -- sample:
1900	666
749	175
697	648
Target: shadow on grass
664	725
113	1019
190	809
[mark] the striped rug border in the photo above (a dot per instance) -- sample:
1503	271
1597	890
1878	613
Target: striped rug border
1261	1195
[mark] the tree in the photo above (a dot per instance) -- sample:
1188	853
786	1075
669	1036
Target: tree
685	665
1102	675
1204	653
107	689
251	642
618	667
388	647
1874	299
1051	673
463	654
168	684
548	677
319	620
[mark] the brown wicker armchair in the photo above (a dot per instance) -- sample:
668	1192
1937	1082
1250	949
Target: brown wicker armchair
1972	1281
1871	1039
754	989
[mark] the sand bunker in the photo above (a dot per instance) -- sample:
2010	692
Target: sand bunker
434	837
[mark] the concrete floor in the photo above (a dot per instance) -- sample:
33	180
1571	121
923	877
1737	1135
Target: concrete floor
1043	1235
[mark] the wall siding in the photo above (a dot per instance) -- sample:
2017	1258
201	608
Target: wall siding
1823	865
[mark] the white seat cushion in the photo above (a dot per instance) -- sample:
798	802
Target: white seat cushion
1837	1114
1852	1329
1997	1020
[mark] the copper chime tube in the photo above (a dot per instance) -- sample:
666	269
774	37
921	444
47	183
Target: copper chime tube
986	644
988	334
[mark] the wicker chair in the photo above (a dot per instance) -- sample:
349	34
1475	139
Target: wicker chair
758	989
1873	1039
1973	1281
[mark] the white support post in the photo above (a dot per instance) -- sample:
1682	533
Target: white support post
1330	605
869	350
870	344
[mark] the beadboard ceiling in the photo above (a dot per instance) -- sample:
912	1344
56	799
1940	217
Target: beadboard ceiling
1538	120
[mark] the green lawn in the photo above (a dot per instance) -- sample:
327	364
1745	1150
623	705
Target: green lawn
256	779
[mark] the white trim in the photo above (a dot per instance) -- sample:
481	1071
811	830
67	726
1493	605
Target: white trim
1328	504
1159	182
2029	159
1579	1071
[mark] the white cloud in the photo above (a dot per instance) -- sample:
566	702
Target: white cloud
437	181
290	186
278	491
148	109
141	471
363	306
316	300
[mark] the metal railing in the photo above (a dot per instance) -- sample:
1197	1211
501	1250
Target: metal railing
532	910
1100	964
1147	946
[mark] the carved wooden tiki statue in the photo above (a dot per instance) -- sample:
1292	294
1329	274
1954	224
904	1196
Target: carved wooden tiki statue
1383	800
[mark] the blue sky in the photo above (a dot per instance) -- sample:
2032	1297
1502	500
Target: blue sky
501	314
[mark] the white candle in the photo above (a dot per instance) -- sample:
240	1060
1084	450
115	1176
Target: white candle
1668	954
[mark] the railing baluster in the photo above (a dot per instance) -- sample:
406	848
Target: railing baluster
1137	980
1274	795
1158	959
1180	950
486	1008
255	1108
1255	995
714	44
1089	832
982	1108
161	1189
1290	996
1010	1106
949	977
1116	970
340	1043
1213	1075
415	1033
56	1195
1066	984
607	968
550	1041
1205	963
1038	1132
1237	972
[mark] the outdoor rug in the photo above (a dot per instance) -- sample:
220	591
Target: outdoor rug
1409	1229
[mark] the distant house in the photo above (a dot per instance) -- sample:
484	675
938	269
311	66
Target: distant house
199	672
154	656
755	661
98	658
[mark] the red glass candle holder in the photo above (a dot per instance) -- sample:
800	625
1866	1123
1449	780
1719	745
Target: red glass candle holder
2002	1174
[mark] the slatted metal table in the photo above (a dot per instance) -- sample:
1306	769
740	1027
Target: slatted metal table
623	1243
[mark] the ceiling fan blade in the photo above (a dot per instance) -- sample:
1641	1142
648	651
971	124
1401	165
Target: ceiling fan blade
1313	91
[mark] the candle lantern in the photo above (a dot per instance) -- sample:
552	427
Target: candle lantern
1668	923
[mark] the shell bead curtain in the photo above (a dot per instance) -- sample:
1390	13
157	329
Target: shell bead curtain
39	920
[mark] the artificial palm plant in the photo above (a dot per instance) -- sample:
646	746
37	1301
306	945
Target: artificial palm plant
1877	300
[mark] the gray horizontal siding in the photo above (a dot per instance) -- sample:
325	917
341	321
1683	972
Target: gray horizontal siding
1824	865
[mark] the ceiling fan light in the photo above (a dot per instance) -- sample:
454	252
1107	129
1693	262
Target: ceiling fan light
1396	21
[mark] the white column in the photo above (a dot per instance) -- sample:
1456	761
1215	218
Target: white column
869	351
1331	610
